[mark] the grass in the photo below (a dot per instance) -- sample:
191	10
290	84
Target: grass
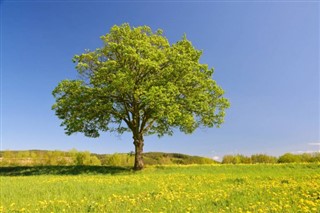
195	188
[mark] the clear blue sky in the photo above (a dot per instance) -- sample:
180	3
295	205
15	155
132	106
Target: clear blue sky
265	55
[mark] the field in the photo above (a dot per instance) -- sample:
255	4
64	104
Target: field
195	188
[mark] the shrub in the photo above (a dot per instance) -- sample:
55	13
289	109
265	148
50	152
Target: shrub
236	159
262	158
228	159
289	158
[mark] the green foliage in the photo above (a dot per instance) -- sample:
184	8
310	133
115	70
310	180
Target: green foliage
118	159
315	157
94	161
262	158
7	154
227	159
138	82
74	157
299	158
37	157
159	158
82	158
236	159
289	158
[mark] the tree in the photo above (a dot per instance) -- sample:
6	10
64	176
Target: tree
137	82
289	158
263	158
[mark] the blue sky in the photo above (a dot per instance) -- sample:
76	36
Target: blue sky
265	55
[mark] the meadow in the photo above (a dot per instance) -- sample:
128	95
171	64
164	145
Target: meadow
193	188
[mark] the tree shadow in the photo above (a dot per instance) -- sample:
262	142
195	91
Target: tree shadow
61	170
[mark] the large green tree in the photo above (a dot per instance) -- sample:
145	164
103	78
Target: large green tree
140	83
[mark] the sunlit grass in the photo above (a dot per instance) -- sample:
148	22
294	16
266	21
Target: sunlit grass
205	188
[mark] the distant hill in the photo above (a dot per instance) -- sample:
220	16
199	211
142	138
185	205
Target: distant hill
74	157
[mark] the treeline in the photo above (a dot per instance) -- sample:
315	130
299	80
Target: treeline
41	158
156	158
263	158
74	157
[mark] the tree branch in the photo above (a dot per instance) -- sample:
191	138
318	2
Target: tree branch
149	126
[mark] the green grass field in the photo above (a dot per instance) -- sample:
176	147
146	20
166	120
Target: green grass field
206	188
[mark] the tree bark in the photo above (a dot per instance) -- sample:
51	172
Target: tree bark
138	143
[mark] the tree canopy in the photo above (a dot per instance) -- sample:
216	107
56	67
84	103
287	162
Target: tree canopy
140	83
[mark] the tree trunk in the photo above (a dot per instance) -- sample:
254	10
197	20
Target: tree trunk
138	143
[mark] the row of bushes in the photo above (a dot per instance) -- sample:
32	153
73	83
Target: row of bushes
263	158
38	158
74	157
158	158
154	158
